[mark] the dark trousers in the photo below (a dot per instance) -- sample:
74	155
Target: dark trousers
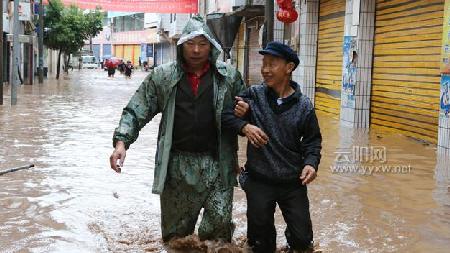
292	199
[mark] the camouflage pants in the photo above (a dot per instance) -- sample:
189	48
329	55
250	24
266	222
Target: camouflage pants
192	184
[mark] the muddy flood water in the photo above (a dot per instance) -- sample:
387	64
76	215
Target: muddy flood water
71	201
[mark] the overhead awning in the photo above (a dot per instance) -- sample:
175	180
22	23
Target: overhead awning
225	26
248	11
149	6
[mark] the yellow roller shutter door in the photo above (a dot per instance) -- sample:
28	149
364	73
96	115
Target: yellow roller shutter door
128	53
136	54
406	76
118	51
329	56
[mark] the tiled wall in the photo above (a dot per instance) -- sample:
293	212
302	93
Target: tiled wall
442	171
444	134
444	114
255	59
305	74
363	32
278	26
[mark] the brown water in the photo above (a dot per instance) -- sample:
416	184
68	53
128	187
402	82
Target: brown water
72	202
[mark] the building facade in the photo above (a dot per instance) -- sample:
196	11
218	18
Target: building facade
27	41
126	36
375	64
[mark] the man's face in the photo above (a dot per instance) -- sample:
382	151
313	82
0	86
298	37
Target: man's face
275	70
196	51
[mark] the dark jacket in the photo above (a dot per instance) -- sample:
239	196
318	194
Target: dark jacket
294	134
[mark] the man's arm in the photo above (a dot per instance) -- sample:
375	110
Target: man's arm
240	125
141	108
312	145
241	107
254	134
238	85
312	141
230	120
118	157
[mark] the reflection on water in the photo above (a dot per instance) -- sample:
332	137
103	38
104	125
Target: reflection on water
72	202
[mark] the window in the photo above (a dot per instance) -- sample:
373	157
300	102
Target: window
133	22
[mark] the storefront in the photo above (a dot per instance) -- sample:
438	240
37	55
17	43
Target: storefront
406	74
127	45
329	56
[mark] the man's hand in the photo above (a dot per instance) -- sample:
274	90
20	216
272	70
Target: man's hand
241	108
238	169
308	174
118	157
255	135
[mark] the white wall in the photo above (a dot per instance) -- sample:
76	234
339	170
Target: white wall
178	24
152	20
165	22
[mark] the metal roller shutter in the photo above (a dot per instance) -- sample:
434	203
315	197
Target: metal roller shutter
136	55
406	75
329	56
128	53
118	51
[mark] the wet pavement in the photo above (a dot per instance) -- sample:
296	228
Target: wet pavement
73	202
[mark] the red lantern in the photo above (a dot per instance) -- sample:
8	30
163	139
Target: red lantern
281	15
285	4
287	16
292	16
287	12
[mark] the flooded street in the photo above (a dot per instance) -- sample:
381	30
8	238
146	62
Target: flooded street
71	201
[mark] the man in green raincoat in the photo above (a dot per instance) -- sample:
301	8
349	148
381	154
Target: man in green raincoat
195	158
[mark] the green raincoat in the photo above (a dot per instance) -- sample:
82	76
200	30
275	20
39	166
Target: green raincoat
157	95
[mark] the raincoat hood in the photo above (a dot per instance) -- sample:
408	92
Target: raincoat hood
196	26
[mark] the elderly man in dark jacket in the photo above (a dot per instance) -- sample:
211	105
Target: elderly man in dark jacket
284	154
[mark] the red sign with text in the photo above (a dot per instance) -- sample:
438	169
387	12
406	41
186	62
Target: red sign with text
148	6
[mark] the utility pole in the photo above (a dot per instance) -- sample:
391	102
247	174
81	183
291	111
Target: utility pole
268	14
41	42
15	58
1	53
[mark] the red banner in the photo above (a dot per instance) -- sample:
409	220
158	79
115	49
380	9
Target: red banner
148	6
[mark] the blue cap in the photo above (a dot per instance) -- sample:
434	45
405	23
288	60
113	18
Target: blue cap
281	50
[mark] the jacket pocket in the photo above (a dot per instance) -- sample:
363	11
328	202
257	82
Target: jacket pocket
243	179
